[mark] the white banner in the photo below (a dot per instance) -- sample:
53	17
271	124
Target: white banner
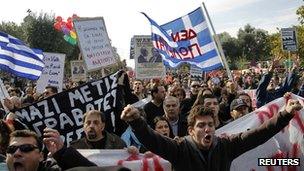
94	42
289	143
122	157
52	73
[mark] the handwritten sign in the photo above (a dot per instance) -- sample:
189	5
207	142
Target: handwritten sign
94	42
52	73
148	62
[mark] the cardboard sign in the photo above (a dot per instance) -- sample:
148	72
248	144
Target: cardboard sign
52	73
148	62
94	42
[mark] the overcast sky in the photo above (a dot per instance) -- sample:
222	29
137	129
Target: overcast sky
123	18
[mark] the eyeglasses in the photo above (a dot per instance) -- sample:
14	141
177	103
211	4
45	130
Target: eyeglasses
25	148
195	86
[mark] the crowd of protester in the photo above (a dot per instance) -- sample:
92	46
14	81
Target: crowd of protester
177	103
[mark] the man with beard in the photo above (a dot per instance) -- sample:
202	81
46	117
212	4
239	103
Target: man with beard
202	150
96	137
267	90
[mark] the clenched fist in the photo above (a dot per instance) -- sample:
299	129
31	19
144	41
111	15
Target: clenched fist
130	113
293	105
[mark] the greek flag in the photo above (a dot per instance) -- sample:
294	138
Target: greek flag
19	59
186	39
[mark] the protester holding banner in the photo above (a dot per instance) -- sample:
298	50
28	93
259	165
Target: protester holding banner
202	150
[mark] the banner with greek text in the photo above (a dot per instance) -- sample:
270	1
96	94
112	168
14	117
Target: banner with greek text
64	111
289	143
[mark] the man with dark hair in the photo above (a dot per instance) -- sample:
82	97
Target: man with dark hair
188	102
138	90
142	58
209	101
238	108
25	152
155	106
202	150
96	137
50	91
247	99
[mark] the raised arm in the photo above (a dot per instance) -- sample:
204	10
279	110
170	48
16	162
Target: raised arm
246	141
66	157
261	92
156	143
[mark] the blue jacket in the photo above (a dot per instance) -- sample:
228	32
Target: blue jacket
264	96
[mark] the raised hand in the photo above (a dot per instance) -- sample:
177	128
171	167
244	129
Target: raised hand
130	113
292	106
52	140
274	63
296	62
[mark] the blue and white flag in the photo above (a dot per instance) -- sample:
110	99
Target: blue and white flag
186	39
18	59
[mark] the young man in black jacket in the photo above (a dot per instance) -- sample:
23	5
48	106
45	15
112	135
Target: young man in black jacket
202	150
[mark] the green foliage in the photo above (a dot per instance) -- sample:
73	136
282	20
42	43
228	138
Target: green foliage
300	13
41	34
230	46
254	43
13	29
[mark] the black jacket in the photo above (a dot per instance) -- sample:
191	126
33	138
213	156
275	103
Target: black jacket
185	155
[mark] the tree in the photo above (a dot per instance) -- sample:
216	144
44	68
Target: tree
254	43
300	13
41	34
230	46
13	29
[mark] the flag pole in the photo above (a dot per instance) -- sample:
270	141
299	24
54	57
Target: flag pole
219	46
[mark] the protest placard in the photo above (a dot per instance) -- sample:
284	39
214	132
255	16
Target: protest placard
78	71
94	42
148	62
52	73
